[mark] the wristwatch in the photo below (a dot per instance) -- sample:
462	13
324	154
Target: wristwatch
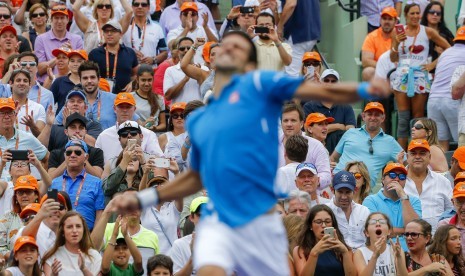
405	197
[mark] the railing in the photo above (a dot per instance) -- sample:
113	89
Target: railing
353	7
323	59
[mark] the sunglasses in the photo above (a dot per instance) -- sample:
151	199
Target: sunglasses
133	133
402	176
40	14
8	113
357	175
28	218
138	4
433	12
419	126
77	152
374	221
320	222
192	13
184	48
412	234
305	165
62	207
30	63
370	142
24	192
106	6
177	116
5	16
314	64
329	81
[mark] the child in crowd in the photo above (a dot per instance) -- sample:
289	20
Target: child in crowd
160	265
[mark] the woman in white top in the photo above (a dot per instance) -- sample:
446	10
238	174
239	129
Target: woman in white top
26	254
102	11
378	258
72	253
410	48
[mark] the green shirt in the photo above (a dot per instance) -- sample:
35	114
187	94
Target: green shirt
130	271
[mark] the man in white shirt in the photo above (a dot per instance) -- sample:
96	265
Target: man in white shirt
350	216
181	252
108	140
307	180
433	189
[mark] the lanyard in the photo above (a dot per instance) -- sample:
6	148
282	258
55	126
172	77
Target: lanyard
143	35
413	44
99	105
27	113
108	64
63	188
17	139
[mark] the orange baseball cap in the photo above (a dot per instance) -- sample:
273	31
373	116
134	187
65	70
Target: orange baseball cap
33	207
418	144
460	34
459	155
60	197
28	182
23	240
104	85
459	190
394	166
459	177
178	106
317	118
311	55
82	53
125	97
189	6
59	9
7	103
374	105
8	28
56	52
206	51
389	11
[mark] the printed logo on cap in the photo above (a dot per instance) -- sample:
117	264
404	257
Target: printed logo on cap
344	178
127	124
22	180
461	188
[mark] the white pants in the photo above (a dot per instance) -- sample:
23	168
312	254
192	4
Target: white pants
257	248
298	51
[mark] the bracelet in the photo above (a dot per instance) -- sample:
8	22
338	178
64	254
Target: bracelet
362	91
278	45
394	50
194	48
112	243
186	145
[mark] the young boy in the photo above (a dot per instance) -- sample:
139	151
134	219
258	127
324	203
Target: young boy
160	265
115	260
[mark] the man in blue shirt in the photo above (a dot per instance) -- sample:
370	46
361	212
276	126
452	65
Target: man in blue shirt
84	190
237	133
368	144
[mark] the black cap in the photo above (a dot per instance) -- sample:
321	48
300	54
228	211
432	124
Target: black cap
76	117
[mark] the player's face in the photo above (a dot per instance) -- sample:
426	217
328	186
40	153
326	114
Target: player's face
233	54
291	123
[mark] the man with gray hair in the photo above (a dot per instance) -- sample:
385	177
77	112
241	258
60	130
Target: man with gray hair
298	203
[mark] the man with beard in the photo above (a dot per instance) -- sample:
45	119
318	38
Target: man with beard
368	143
378	42
272	53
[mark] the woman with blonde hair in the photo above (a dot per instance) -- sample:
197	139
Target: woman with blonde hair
362	176
72	251
38	16
293	225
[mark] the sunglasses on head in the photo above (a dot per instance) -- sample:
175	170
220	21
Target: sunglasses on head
77	152
125	134
106	6
314	64
5	16
192	13
59	9
40	14
433	12
402	176
177	116
30	63
139	4
419	126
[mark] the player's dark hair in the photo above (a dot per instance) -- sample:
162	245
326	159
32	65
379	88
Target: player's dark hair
253	50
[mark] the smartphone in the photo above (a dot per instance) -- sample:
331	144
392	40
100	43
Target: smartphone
131	142
400	29
329	231
261	30
161	163
19	154
247	10
311	71
53	194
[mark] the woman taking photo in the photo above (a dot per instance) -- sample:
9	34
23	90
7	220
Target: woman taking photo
318	253
410	48
311	66
446	242
362	176
38	16
418	261
72	252
26	254
381	256
150	106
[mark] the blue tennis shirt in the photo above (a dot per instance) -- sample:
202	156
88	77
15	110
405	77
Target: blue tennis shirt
235	145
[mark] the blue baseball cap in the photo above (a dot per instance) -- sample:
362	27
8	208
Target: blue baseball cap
75	92
78	143
344	179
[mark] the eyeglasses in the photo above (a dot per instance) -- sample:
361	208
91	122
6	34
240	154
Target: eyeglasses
433	12
139	4
24	192
329	81
370	142
110	31
59	9
314	64
77	152
19	164
40	14
8	113
393	175
5	16
357	175
374	221
28	218
458	202
192	13
102	6
320	222
177	116
28	63
412	234
184	48
133	133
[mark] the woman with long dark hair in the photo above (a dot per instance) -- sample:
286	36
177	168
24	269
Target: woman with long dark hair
176	128
26	254
446	242
318	253
72	251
